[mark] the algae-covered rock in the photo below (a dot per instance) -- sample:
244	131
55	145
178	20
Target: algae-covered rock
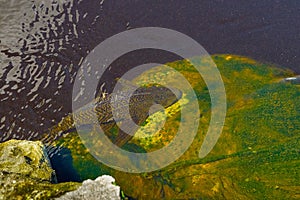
101	188
26	158
256	157
26	173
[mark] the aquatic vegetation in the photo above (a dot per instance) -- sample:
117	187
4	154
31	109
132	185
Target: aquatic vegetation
256	157
150	135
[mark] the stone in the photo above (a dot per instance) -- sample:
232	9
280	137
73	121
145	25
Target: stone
101	188
26	158
26	173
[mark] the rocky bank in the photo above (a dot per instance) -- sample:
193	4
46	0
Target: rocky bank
26	173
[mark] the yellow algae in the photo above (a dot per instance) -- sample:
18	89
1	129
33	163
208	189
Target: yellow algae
228	57
148	134
216	187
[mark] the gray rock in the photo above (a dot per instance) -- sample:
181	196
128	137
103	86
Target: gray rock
100	188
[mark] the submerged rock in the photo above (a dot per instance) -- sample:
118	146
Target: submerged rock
256	156
101	188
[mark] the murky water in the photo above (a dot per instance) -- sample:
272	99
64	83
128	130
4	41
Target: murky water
43	42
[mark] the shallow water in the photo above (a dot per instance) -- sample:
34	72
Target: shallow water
257	150
43	43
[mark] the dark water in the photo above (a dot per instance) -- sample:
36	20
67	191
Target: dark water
43	42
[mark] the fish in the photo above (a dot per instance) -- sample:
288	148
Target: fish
111	110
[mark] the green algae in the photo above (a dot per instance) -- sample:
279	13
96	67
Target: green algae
256	157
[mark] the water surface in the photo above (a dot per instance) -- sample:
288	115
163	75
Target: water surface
42	44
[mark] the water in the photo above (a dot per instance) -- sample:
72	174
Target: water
43	42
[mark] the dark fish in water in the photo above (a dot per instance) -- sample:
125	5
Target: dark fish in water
139	104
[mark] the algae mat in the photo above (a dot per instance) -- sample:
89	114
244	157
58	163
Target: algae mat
256	157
